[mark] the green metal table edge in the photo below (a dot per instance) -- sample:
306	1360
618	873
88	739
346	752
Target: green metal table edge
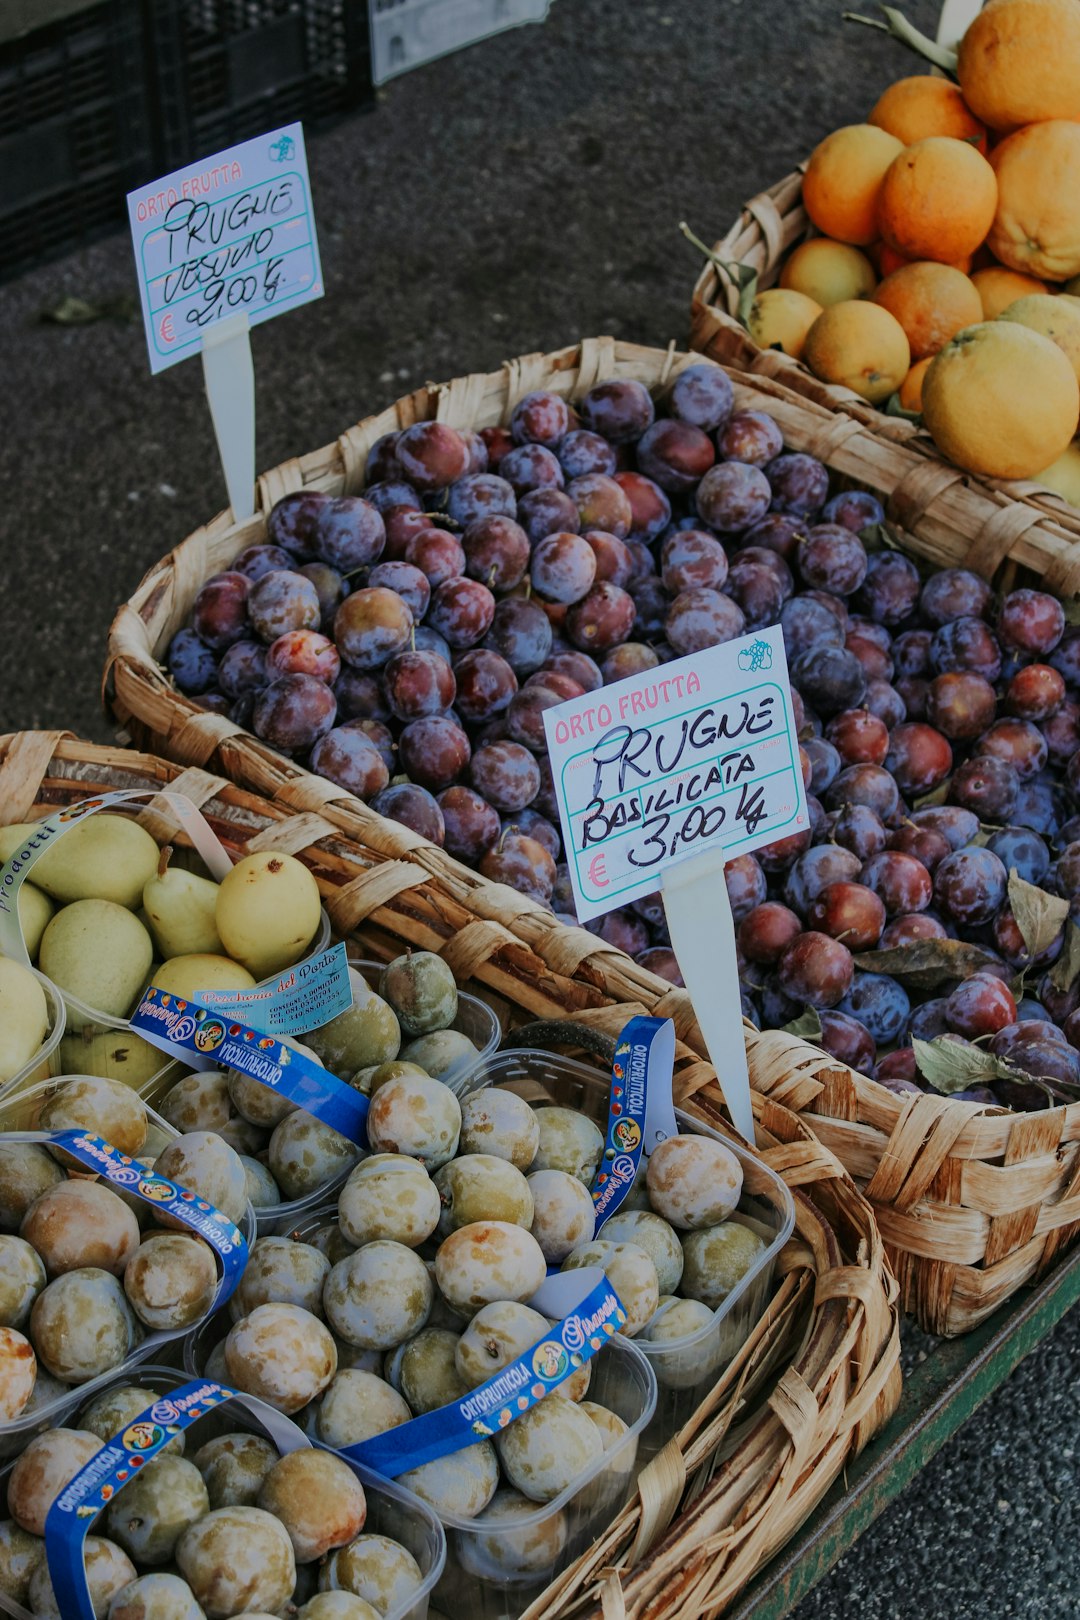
938	1397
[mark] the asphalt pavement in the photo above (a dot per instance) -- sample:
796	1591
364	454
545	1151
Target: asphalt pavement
513	197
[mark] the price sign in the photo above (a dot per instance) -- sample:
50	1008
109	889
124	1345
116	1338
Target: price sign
659	779
233	233
695	755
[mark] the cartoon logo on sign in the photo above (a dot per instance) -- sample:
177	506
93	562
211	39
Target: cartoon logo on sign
757	656
159	1192
549	1361
209	1036
141	1436
626	1135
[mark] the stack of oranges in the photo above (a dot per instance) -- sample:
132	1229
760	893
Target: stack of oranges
948	268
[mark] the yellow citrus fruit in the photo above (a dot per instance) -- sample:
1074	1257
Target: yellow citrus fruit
828	272
1019	62
781	318
1000	287
1063	475
999	399
1056	318
931	301
937	200
843	178
1037	223
911	387
915	108
861	346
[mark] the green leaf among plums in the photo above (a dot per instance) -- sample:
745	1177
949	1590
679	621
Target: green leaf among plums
1064	972
951	1066
807	1025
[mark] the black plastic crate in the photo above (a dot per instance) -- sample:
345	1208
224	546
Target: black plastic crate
230	69
76	132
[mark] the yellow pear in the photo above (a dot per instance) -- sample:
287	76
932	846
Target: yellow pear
24	1017
268	912
98	952
35	912
180	909
102	857
187	975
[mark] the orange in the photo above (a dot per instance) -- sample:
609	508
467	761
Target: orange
1037	224
999	287
937	200
861	346
911	387
916	108
842	180
780	319
828	272
1001	400
889	260
1056	318
932	302
1019	62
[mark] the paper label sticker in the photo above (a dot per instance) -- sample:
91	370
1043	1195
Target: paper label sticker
208	1040
591	1313
641	1114
122	1459
304	997
696	754
232	233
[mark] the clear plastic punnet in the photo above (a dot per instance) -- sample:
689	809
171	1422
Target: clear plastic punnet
474	1019
20	1118
391	1511
495	1569
45	1062
686	1368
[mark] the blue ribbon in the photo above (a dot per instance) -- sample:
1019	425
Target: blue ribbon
165	1198
209	1040
71	1516
495	1404
640	1111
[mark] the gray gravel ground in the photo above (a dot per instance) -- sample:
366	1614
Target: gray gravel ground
510	198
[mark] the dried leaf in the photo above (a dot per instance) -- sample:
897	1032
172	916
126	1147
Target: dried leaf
1071	605
1064	971
894	408
951	1065
71	311
927	963
940	795
807	1025
1040	917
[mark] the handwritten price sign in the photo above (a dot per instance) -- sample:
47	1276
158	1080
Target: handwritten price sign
697	754
234	233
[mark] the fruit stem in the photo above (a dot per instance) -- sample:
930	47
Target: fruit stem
741	276
897	25
163	860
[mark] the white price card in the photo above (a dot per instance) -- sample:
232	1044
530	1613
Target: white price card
233	234
696	755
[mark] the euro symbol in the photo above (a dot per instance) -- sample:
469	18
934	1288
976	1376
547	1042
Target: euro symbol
596	873
166	330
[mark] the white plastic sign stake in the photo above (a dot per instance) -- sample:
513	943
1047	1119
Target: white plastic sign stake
229	373
662	777
220	246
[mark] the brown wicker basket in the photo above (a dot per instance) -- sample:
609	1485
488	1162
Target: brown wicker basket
965	1226
769	226
820	1372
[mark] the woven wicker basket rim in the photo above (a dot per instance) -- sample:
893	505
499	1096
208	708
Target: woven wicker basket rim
833	1322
